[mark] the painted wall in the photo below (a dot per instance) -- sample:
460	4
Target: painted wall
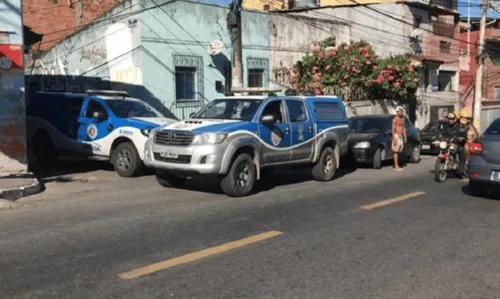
12	104
105	54
179	34
255	40
291	37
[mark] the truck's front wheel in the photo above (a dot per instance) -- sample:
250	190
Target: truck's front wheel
324	170
241	177
169	180
126	160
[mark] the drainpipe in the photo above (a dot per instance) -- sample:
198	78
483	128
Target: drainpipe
79	13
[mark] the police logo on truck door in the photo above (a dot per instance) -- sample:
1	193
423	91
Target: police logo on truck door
92	131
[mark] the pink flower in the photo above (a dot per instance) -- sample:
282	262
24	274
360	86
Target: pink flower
316	85
391	78
347	47
416	79
317	76
396	84
315	68
368	62
317	92
327	67
375	67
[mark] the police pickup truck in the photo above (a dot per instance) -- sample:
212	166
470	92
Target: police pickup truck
237	138
98	125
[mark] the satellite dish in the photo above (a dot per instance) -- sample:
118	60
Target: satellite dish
215	47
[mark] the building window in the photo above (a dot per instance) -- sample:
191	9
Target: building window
445	81
497	92
185	86
444	47
189	79
493	51
258	72
417	20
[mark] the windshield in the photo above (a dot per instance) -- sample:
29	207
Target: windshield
494	128
435	127
132	108
367	125
237	109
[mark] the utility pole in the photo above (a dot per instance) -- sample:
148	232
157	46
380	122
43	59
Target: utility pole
478	90
468	28
234	26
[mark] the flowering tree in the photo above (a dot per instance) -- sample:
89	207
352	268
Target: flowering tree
353	67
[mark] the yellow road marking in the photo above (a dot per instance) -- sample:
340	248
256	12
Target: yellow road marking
382	203
191	257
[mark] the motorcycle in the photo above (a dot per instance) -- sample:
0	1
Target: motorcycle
448	159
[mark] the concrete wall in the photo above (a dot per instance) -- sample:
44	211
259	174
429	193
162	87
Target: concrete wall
385	26
12	104
291	37
106	50
178	34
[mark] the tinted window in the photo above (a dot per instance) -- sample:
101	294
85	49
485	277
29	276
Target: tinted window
367	125
297	111
494	128
132	108
93	107
329	111
240	109
274	108
72	106
431	127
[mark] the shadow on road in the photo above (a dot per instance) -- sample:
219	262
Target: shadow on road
491	192
65	169
281	177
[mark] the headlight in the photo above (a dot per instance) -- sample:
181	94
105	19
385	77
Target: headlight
209	138
443	145
364	144
146	132
436	142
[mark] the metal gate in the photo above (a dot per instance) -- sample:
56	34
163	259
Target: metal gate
488	115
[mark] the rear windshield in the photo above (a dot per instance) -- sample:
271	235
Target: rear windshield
367	125
435	127
329	111
494	128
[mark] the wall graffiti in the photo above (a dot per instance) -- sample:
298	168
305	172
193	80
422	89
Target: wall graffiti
95	55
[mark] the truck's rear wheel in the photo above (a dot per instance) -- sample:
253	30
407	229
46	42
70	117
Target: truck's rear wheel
241	177
169	180
324	170
126	160
44	150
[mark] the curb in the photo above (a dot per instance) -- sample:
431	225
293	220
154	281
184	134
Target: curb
22	191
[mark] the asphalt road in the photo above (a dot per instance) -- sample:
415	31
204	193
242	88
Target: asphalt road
368	234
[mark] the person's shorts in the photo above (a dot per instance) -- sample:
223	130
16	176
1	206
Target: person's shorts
397	147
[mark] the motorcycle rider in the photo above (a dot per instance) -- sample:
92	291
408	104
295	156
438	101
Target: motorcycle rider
471	132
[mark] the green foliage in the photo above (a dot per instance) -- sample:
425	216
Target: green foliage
355	67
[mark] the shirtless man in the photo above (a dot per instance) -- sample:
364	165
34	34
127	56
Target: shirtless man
398	136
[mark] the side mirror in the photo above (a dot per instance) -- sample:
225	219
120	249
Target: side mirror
100	116
191	114
268	119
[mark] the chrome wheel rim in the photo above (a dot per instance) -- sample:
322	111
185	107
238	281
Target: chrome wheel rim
242	175
124	159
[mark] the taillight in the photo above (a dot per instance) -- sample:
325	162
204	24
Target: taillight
476	148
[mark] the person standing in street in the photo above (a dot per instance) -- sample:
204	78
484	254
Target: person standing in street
471	131
398	137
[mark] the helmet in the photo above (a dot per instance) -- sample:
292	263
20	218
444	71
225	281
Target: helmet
451	116
465	113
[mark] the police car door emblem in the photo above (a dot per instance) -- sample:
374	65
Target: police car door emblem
92	131
301	131
275	139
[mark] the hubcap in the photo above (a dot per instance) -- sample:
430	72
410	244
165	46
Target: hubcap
242	175
328	165
124	159
416	153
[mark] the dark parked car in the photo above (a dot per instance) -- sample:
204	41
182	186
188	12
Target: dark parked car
370	140
431	132
484	164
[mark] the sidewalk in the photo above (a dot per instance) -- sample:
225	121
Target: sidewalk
15	186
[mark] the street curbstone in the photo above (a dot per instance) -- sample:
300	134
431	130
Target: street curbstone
22	191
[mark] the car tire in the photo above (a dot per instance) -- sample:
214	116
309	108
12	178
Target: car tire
44	150
477	189
324	170
169	180
415	155
126	160
240	179
377	159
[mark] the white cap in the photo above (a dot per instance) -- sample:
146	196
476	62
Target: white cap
399	108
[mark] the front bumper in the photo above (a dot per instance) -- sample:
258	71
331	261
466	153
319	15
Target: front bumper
185	160
363	155
481	171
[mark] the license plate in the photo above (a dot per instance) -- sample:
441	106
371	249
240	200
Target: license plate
426	146
169	155
495	176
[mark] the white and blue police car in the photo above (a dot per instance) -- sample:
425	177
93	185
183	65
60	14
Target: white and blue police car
98	125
